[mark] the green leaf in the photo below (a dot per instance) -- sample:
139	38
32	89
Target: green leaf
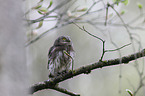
125	2
41	1
43	9
122	12
129	92
139	6
116	1
81	10
40	24
50	4
37	7
40	12
110	15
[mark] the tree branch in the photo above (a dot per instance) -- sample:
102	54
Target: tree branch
84	69
62	90
46	15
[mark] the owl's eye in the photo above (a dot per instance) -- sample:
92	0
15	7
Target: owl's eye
64	39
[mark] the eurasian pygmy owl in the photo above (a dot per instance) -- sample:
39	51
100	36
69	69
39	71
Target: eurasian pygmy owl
60	56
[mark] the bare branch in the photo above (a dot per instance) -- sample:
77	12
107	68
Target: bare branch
121	20
118	48
61	25
40	36
120	67
139	87
106	15
62	90
85	69
46	15
83	29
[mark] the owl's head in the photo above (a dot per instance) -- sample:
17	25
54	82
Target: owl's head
63	40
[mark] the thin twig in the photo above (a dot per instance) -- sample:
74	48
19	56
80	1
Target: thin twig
46	15
92	6
121	20
83	29
139	87
65	23
117	48
106	15
110	24
120	67
103	53
136	63
40	36
70	57
62	90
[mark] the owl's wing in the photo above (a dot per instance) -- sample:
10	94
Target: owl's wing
49	60
50	56
53	53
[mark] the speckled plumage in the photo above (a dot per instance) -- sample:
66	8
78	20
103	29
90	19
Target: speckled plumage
58	61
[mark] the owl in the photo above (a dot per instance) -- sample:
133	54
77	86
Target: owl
60	56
